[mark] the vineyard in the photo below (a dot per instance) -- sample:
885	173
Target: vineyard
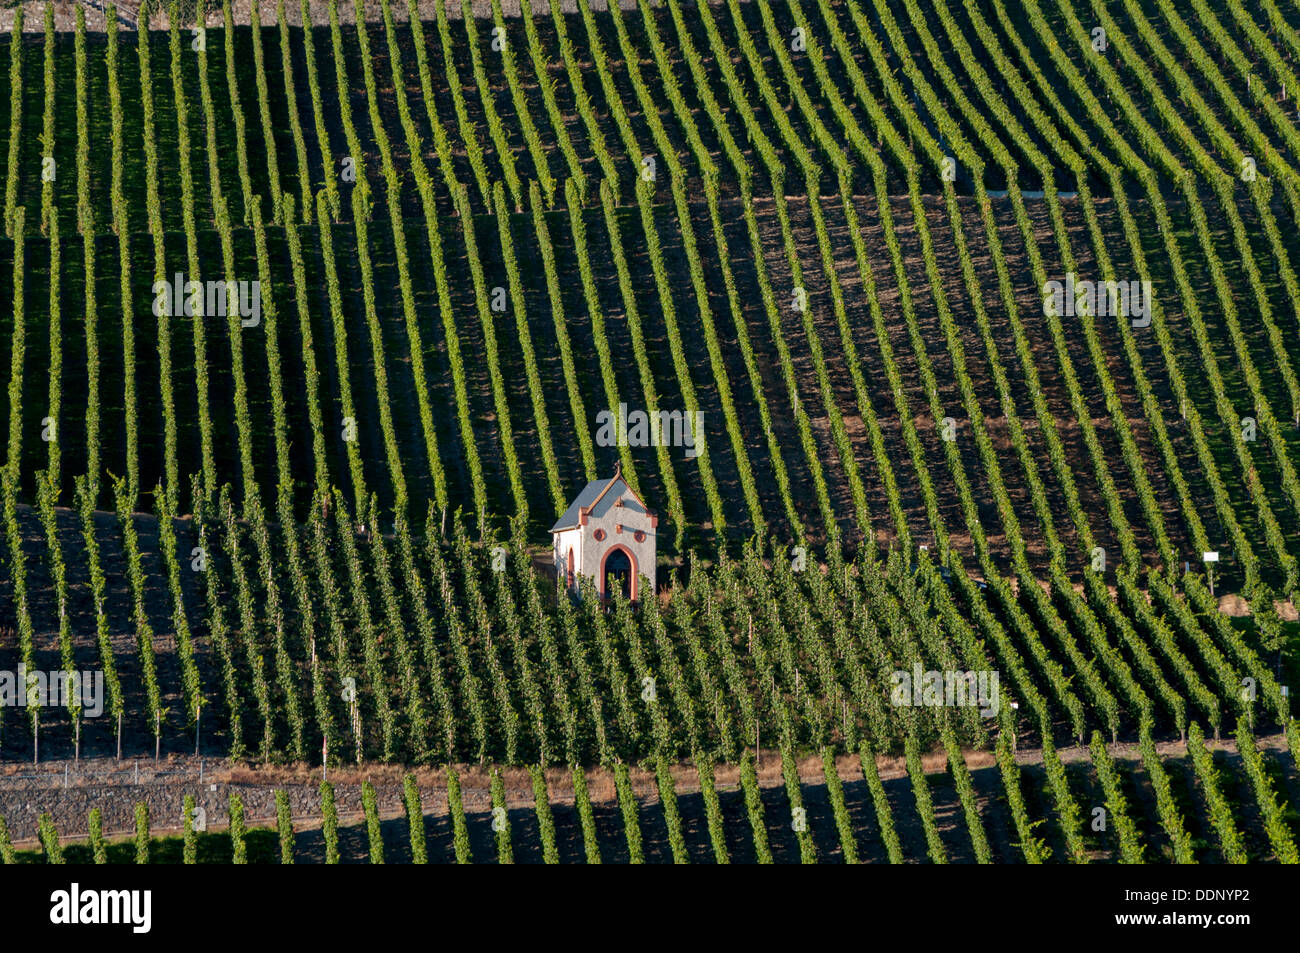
846	812
311	327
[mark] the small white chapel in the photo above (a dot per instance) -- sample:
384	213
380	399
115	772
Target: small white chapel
607	531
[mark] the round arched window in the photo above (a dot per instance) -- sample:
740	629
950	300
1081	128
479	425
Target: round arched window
599	534
639	536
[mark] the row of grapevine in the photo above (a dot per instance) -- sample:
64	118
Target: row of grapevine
263	105
1273	813
1166	806
58	570
1217	806
122	228
153	202
1130	844
15	120
240	120
328	162
208	484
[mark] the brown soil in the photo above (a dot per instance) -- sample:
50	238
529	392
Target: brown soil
241	11
24	795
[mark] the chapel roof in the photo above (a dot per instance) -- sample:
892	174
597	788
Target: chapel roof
600	494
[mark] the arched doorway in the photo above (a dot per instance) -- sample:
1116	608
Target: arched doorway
569	574
621	565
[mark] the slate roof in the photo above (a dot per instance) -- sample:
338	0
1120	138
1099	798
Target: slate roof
597	492
589	494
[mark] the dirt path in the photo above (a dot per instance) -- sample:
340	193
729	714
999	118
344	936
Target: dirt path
102	783
241	10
